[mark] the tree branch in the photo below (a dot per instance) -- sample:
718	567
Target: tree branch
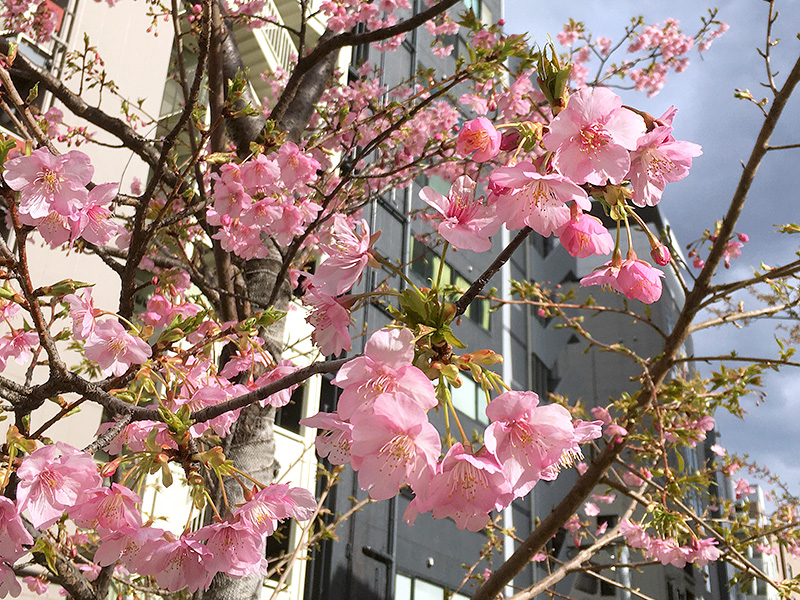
140	145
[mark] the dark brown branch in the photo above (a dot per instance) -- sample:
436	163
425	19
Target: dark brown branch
141	146
114	405
331	43
463	302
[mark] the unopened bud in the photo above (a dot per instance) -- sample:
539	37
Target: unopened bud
509	141
108	469
660	254
487	358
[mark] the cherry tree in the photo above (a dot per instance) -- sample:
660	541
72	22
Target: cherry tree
250	209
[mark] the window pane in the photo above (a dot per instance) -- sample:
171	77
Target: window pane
427	591
586	584
464	398
482	406
402	587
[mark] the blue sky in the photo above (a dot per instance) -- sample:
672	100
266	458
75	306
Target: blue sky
709	115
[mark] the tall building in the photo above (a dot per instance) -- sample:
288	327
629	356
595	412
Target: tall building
376	555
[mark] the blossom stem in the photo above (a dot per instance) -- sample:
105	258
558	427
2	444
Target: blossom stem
224	495
628	234
394	269
441	265
448	438
256	481
211	502
464	438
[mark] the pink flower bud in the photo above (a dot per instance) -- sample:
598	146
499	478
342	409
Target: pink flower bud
698	263
509	141
660	254
743	237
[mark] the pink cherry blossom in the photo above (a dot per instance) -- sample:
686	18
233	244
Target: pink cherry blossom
462	220
393	444
53	479
584	235
35	585
669	552
527	438
237	549
282	397
466	487
601	413
592	136
639	280
9	584
636	279
13	535
17	345
718	450
634	534
733	249
82	312
125	548
274	503
385	368
296	166
114	349
176	564
48	182
604	498
659	159
135	435
704	551
743	488
348	255
335	444
526	198
661	255
94	218
109	510
330	321
478	136
590	509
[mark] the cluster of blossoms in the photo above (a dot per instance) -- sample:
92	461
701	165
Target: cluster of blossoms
669	552
343	15
381	428
594	142
732	250
107	342
268	195
663	47
53	197
60	480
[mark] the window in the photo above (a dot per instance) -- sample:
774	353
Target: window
470	399
289	416
411	588
540	377
475	5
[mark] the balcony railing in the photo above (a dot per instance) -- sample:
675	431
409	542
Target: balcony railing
275	42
